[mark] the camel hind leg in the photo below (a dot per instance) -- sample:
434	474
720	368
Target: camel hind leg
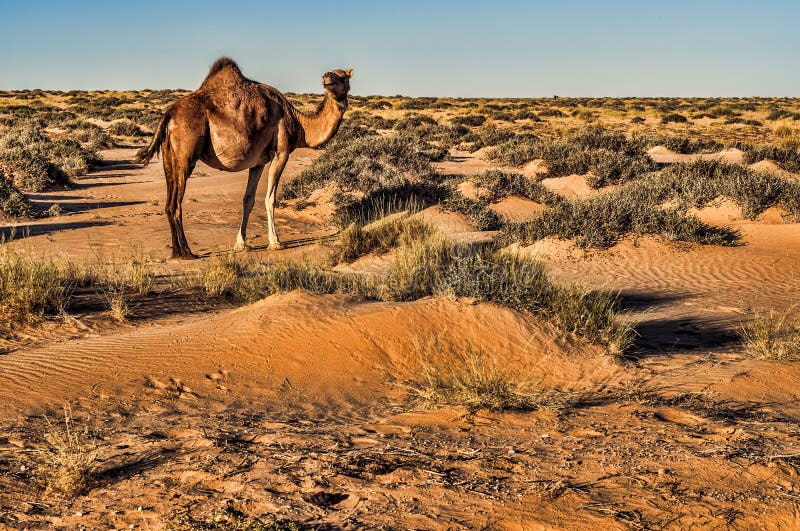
178	166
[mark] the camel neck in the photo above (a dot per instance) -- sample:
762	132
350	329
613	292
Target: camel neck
320	126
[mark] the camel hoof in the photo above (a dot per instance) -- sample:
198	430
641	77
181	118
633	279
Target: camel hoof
188	255
276	246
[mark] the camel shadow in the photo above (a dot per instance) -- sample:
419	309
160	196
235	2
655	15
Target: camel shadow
78	208
642	301
287	244
683	334
25	231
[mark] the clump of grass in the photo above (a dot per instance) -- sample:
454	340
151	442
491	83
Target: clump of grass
140	274
772	335
247	280
380	202
91	136
683	144
117	302
469	119
380	237
68	458
32	287
476	380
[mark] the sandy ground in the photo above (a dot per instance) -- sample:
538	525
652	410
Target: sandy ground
292	408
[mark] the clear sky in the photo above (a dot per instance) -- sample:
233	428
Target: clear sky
411	47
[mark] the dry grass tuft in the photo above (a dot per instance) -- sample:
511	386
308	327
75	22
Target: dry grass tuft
67	459
379	237
477	380
772	335
32	286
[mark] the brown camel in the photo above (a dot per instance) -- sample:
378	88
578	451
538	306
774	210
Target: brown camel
233	123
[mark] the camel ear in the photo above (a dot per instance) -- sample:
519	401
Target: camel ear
349	72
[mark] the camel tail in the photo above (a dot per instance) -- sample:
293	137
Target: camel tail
145	154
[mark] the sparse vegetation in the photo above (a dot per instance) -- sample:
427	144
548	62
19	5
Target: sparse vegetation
383	235
67	460
610	157
434	266
32	287
602	221
476	380
772	335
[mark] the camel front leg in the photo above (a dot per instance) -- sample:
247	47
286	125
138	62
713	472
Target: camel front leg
273	176
247	205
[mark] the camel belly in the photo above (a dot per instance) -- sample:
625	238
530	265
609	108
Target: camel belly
229	152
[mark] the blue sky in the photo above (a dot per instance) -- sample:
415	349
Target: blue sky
411	47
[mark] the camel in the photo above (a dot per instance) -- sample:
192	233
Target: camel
233	123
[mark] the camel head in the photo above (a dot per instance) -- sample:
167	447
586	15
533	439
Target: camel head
337	83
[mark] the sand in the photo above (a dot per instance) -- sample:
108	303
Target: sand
295	407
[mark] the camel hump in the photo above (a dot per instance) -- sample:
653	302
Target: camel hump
226	65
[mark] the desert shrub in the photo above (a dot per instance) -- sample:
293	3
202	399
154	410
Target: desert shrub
379	105
516	151
13	202
475	380
417	103
414	121
92	137
35	162
603	221
611	157
382	201
699	182
525	114
499	184
782	114
788	158
743	121
490	135
125	128
367	164
477	211
684	144
674	118
501	116
772	335
637	120
365	119
469	119
551	113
